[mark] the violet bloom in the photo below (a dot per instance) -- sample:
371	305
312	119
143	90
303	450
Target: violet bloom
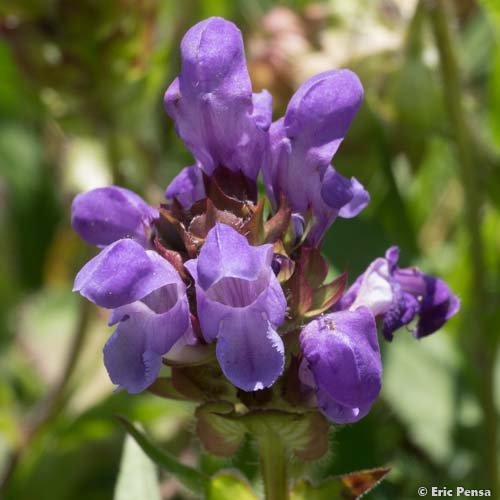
216	115
149	304
303	144
187	186
399	295
240	303
104	215
342	363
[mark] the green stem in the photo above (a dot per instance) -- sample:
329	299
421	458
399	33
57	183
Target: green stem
484	345
273	460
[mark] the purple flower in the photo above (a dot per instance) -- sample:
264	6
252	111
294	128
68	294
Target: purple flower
141	272
187	186
240	303
303	144
399	295
342	363
216	115
149	304
104	215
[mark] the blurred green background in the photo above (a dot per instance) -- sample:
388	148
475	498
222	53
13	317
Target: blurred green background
81	87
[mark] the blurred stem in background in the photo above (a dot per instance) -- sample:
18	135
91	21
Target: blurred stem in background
483	344
55	400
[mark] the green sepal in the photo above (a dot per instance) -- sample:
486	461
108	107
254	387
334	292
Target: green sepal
221	429
164	388
276	227
219	434
314	266
202	383
254	227
327	295
301	292
309	296
304	434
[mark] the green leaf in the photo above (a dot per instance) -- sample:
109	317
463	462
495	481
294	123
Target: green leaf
346	487
428	410
138	477
228	485
189	477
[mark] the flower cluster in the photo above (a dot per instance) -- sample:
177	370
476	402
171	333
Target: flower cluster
220	281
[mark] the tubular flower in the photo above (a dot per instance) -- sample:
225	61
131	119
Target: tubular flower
303	144
232	296
342	363
104	215
240	303
216	115
399	295
149	304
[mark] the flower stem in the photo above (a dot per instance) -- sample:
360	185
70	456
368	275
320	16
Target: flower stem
485	345
273	460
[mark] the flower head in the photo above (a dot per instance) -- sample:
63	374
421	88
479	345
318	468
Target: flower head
211	270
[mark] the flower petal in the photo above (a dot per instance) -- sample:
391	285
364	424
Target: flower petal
403	309
343	354
210	314
123	273
339	197
263	109
336	190
161	330
250	352
272	301
227	254
338	413
438	306
187	186
105	215
129	362
375	289
211	100
320	113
